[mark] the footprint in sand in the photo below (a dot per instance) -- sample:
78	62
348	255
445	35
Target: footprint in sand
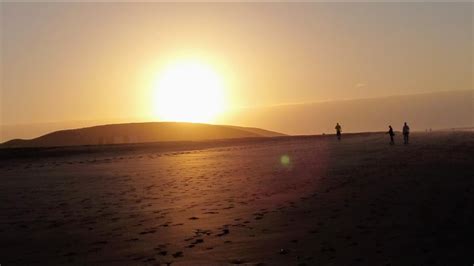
99	243
147	232
283	251
198	241
178	254
237	261
224	232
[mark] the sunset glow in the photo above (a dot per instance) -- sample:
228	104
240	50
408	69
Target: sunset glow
236	132
188	91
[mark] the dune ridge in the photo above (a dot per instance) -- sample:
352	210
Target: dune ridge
139	133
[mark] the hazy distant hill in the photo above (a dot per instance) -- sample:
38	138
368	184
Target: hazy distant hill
139	133
439	110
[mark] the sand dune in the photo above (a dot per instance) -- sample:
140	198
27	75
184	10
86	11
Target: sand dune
140	133
355	202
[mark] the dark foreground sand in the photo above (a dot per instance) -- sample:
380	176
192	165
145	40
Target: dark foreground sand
354	202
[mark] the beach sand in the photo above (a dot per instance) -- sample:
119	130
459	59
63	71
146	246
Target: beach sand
277	201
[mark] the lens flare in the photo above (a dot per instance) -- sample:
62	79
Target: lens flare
285	160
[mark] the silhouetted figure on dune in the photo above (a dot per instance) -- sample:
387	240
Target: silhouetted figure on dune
338	131
391	133
406	132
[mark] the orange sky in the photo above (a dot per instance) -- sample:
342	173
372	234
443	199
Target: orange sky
99	61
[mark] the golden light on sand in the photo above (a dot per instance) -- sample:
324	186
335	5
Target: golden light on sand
189	91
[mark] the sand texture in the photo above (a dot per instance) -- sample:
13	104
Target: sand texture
275	201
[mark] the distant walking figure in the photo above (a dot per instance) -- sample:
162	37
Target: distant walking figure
406	132
338	131
390	132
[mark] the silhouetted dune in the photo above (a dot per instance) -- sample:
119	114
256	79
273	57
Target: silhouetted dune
139	133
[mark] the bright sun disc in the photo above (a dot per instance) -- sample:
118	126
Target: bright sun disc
189	92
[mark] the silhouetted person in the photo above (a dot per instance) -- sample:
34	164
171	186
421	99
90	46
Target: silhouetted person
406	132
390	132
338	131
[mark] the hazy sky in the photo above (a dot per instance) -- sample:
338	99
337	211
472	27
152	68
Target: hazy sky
71	61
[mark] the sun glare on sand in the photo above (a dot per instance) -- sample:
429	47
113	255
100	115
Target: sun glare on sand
189	91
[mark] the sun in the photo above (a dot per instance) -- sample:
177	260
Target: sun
189	91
